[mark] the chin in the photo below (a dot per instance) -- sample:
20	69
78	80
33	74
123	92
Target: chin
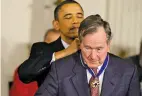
94	65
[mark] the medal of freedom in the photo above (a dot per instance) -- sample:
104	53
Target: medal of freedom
94	83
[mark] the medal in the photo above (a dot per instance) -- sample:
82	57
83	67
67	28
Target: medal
94	83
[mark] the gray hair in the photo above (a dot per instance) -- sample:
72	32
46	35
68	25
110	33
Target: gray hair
91	23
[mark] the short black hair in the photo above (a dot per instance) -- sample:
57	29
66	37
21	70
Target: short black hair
91	23
56	17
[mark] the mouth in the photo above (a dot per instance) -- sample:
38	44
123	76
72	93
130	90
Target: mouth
74	28
94	62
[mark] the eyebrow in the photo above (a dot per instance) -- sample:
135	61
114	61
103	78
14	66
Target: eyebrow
80	13
71	14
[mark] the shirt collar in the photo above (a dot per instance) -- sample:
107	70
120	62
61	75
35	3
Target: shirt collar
64	43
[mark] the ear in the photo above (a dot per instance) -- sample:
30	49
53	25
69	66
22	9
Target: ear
56	25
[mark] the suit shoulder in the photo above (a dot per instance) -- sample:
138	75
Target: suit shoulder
40	44
65	59
121	62
121	66
39	48
64	66
65	62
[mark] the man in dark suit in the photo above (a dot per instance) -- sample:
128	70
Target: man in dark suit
68	16
92	71
137	59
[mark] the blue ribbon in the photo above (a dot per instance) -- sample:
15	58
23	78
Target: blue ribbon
102	68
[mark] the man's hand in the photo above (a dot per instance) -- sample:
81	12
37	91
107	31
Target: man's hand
74	47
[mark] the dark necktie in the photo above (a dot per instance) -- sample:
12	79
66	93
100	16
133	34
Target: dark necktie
94	84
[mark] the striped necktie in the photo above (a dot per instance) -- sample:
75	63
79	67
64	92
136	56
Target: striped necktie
94	84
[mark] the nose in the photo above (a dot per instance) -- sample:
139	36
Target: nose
94	55
75	20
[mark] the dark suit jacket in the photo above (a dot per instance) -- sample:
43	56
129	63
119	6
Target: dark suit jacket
36	67
69	78
135	60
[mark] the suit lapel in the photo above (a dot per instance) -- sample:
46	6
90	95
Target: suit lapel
111	78
79	79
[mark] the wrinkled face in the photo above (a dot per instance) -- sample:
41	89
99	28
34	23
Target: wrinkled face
94	48
70	17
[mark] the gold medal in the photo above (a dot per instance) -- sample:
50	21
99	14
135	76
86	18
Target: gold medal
94	83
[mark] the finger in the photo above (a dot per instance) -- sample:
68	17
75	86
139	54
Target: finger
77	41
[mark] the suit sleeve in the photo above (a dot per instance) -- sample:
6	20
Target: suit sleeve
50	85
134	88
36	64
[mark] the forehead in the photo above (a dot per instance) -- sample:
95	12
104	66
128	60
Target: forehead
72	8
96	37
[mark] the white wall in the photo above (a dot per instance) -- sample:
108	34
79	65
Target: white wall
25	22
125	17
41	16
94	7
16	20
0	48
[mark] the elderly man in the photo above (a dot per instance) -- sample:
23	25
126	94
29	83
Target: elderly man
92	71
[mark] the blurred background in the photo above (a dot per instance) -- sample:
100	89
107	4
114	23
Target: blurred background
26	21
